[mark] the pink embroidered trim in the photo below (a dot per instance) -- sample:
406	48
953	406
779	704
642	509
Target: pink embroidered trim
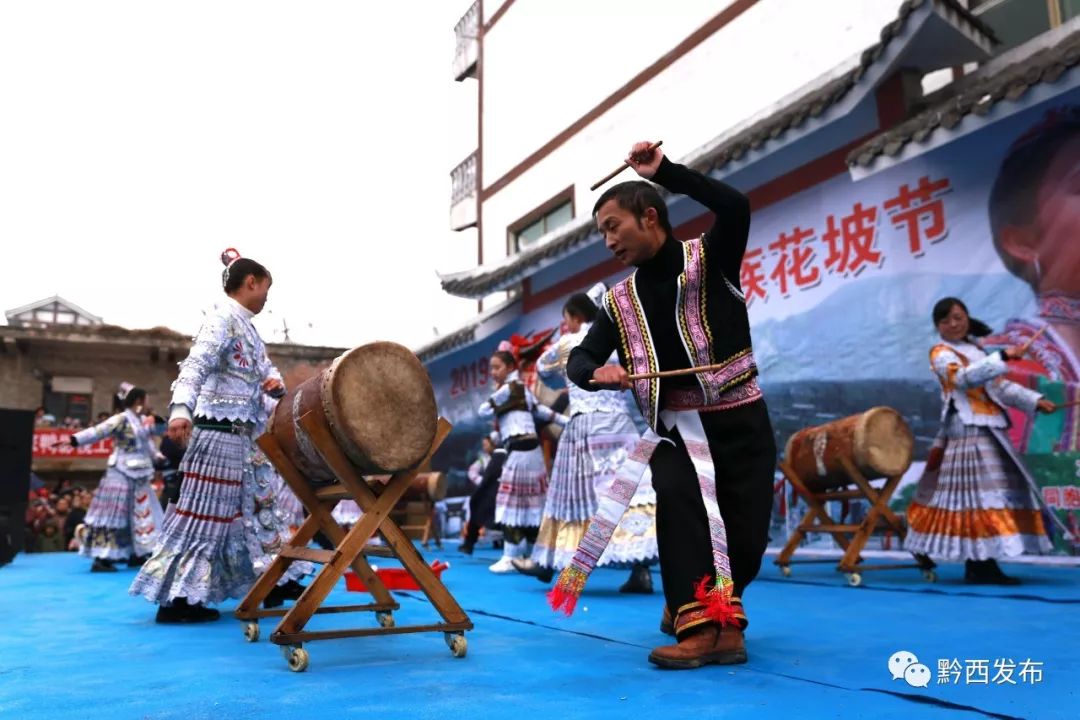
691	312
638	347
694	399
1062	308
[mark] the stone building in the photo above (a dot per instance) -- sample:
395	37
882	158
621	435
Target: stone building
73	368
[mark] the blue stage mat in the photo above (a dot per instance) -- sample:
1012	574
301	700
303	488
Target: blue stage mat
77	646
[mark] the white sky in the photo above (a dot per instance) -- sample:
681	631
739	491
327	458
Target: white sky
138	139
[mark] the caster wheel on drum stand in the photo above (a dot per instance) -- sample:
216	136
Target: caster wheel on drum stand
296	656
457	643
785	570
385	619
251	632
854	579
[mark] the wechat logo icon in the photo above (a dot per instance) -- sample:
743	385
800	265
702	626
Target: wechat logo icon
903	665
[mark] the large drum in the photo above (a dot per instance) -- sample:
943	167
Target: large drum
379	404
878	442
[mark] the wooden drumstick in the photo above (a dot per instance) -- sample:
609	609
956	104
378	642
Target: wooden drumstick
622	167
1033	338
1073	403
673	373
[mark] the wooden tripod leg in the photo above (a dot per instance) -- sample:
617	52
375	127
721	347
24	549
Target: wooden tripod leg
395	537
850	561
360	565
799	533
352	545
879	499
270	577
425	536
815	515
319	512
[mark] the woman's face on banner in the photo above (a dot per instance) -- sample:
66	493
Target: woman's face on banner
1058	222
954	326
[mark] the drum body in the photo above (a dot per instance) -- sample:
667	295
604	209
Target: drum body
379	404
425	487
878	442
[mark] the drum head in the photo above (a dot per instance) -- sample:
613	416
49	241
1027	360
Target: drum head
884	441
379	400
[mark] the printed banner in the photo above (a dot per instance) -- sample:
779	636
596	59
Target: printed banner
46	439
841	279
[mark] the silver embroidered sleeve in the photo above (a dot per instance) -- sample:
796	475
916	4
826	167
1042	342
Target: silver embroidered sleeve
977	373
102	430
1018	396
204	358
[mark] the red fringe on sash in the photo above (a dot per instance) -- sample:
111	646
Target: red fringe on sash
567	590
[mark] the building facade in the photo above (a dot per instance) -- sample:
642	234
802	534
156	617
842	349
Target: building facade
878	165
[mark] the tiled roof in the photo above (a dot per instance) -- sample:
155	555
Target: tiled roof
448	342
975	98
481	281
816	102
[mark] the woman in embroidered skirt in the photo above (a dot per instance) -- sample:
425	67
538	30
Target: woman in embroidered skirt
519	504
976	501
225	529
596	441
124	518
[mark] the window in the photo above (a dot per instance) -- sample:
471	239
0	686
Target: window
550	216
1017	21
63	405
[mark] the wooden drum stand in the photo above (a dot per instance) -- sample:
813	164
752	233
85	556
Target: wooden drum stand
376	498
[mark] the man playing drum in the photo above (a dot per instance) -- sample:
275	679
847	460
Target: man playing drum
710	443
225	529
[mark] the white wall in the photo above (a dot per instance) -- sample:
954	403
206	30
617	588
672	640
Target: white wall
490	8
548	62
769	51
459	250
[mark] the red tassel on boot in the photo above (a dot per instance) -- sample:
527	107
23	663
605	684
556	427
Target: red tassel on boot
717	601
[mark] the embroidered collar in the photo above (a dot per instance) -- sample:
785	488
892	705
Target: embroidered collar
1059	307
237	307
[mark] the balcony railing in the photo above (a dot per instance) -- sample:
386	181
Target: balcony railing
467	51
463	194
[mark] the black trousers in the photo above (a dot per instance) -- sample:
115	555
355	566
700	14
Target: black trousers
482	502
170	493
744	452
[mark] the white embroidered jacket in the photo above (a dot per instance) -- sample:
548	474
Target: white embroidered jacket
518	420
222	376
552	366
133	451
972	381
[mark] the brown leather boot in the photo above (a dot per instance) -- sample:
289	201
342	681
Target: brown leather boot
667	624
703	645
